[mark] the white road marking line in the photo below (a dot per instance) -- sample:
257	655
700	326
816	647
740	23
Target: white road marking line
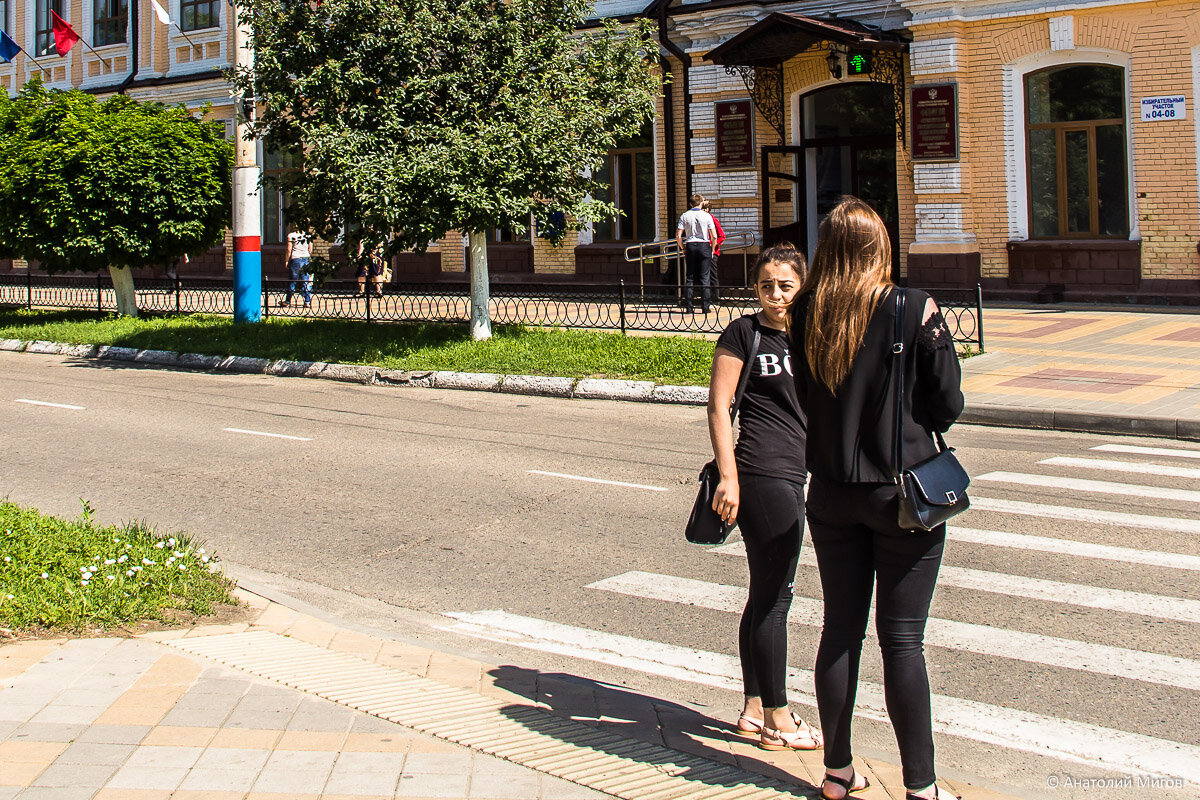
1077	742
52	405
1097	487
983	639
1047	544
1123	466
272	435
1147	451
1173	524
597	480
1075	594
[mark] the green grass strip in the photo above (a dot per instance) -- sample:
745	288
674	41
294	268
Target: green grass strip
512	350
74	575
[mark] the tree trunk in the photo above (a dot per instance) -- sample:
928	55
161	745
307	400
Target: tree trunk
481	320
122	281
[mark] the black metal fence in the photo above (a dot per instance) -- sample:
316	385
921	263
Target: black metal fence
594	306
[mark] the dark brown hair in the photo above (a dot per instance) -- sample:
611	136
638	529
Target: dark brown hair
782	253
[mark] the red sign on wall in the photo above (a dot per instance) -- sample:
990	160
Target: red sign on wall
735	133
935	122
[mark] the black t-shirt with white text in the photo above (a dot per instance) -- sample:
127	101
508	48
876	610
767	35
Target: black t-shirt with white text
771	425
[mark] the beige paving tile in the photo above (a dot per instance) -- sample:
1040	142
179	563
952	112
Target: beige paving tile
313	631
277	618
179	736
251	738
356	644
281	796
13	751
310	740
404	657
22	773
132	794
201	794
431	745
216	630
378	743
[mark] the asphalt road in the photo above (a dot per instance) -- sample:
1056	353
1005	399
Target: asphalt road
1054	658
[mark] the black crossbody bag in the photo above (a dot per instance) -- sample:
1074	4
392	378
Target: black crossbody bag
934	490
705	526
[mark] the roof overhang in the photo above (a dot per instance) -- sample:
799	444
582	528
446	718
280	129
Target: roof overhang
782	36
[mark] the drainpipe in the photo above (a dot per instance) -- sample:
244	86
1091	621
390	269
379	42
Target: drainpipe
669	140
134	42
685	60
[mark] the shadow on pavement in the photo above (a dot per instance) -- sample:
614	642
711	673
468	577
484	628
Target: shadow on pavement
640	718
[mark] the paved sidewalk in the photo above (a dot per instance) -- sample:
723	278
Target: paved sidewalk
277	708
1105	371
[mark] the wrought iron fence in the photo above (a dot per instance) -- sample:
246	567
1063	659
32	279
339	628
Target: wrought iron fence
592	306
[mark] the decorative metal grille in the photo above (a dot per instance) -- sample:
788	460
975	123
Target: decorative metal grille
887	71
765	85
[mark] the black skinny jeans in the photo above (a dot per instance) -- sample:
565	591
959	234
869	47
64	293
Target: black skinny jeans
771	518
858	542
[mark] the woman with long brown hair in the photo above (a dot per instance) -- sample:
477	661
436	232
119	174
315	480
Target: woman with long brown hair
843	330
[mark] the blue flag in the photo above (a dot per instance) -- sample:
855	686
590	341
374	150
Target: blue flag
8	48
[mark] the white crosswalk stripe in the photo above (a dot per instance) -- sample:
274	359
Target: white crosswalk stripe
984	639
1134	449
1165	668
1085	485
1076	742
1137	468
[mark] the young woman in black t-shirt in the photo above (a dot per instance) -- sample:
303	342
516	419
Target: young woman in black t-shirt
762	489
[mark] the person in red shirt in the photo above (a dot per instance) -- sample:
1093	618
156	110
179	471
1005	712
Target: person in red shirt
714	277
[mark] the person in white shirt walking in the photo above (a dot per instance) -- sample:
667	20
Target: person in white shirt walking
696	235
298	254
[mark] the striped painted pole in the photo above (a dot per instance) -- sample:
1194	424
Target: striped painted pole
247	219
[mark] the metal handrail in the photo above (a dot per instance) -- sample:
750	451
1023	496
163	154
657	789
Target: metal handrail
668	250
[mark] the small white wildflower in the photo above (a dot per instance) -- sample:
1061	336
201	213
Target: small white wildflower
83	583
129	573
178	554
159	545
96	558
9	596
116	541
147	562
83	569
201	550
110	577
122	559
87	576
109	561
171	541
204	559
7	559
182	568
45	575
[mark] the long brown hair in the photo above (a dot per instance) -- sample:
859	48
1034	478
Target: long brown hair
849	275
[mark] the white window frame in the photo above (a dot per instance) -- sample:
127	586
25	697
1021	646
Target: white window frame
203	38
1016	157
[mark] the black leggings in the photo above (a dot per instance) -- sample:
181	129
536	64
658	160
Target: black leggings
771	518
857	541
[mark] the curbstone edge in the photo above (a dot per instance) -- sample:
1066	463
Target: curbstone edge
681	395
537	385
612	389
13	345
198	361
478	381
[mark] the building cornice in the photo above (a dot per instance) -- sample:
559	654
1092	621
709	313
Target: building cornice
934	12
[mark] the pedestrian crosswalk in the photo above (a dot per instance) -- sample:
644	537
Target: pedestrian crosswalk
1139	581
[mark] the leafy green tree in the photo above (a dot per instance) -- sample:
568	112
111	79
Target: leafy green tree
421	117
88	185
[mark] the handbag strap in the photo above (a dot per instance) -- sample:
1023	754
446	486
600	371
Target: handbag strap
747	366
898	373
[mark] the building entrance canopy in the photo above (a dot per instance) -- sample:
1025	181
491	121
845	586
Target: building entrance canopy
782	36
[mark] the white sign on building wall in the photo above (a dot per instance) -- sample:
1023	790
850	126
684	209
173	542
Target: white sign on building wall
1168	107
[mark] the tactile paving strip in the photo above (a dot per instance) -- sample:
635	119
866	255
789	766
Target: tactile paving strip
526	735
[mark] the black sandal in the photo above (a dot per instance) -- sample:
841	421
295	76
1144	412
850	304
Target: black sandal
848	785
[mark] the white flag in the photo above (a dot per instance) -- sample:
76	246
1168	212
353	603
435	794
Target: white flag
161	13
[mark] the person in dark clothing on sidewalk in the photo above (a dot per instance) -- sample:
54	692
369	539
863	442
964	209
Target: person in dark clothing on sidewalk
762	489
695	235
842	329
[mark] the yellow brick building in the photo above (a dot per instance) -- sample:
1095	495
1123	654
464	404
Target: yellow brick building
1038	149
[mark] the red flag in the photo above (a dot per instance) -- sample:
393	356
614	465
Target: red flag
65	36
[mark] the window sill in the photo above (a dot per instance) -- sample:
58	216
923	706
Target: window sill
1115	243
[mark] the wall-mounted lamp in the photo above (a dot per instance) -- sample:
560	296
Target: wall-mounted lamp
834	60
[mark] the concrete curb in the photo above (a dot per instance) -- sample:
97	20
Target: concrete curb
585	388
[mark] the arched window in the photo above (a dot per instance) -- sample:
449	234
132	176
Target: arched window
1075	132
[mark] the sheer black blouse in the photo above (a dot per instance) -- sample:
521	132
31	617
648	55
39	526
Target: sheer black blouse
850	435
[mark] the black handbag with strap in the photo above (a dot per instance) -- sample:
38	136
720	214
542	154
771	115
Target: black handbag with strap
704	525
934	490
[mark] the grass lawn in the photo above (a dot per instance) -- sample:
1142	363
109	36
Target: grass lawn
513	349
76	576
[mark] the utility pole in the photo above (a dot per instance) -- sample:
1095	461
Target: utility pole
247	220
